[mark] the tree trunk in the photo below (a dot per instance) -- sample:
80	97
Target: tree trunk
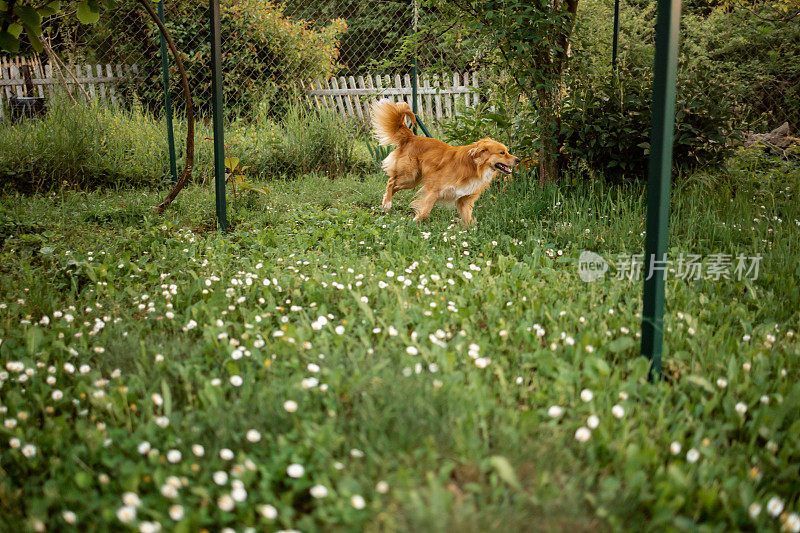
549	105
187	169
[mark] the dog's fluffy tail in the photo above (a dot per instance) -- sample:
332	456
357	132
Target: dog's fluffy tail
389	122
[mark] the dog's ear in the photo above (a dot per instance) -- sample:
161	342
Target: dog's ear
480	153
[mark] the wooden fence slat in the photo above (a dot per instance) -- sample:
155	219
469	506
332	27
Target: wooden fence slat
428	97
351	83
348	99
363	101
352	96
112	92
437	97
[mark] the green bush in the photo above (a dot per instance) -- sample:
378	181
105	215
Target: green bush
264	52
606	115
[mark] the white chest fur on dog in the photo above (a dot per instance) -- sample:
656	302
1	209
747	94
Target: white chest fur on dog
451	194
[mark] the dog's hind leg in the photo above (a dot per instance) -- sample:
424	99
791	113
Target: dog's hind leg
399	181
424	204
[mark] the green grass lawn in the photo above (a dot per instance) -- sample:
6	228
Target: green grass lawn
424	378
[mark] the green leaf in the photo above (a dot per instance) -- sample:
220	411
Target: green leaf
15	30
33	38
50	9
701	382
621	344
86	15
28	16
505	470
167	395
82	479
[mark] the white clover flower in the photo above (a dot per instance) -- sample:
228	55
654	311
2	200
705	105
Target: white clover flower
692	455
318	491
268	511
126	514
176	512
741	408
69	517
157	399
131	499
764	399
792	523
220	477
309	383
198	450
587	395
225	502
168	491
746	366
239	494
290	406
313	367
295	470
722	383
382	487
29	450
618	411
253	435
583	434
162	421
411	350
226	454
357	501
392	331
775	506
56	394
675	448
339	330
174	456
482	362
593	421
236	380
754	510
14	442
149	527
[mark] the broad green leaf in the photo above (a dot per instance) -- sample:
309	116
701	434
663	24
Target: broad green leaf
86	15
28	16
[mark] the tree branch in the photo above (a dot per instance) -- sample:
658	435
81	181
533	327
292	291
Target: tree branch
187	94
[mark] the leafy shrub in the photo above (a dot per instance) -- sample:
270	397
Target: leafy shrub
606	115
263	55
85	147
607	122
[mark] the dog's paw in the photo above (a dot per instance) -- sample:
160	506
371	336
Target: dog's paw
386	206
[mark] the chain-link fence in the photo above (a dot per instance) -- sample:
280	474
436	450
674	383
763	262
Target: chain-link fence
329	53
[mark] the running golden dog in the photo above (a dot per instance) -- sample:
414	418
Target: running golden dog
449	174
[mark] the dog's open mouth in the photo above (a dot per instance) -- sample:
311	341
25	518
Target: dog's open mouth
503	168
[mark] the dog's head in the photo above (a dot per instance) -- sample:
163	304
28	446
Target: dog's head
493	154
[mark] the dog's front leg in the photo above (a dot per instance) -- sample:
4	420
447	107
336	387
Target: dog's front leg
465	205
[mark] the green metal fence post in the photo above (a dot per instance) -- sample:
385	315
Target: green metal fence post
658	182
173	162
219	118
615	38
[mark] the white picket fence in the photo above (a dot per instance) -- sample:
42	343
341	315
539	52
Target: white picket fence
98	82
351	96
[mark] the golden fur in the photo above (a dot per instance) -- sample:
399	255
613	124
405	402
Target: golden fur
449	174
